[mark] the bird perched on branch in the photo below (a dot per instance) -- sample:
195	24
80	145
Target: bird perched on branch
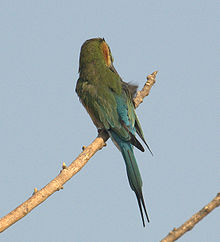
109	102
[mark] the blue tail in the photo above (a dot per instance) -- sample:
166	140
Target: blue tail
134	176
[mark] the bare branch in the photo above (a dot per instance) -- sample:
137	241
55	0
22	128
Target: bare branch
146	89
67	172
176	233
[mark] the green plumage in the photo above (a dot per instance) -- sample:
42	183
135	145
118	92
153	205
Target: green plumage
109	102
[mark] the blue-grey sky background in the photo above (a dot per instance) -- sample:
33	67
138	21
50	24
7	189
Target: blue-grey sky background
42	122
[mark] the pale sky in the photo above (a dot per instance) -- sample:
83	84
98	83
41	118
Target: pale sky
42	122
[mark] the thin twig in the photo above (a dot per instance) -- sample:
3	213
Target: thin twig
176	233
145	90
67	172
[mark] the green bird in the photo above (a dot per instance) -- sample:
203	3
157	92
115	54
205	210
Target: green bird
109	102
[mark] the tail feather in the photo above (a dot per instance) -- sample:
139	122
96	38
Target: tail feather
140	207
141	204
133	173
134	178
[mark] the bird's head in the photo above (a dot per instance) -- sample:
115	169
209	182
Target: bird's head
96	52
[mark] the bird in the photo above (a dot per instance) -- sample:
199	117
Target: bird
109	102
